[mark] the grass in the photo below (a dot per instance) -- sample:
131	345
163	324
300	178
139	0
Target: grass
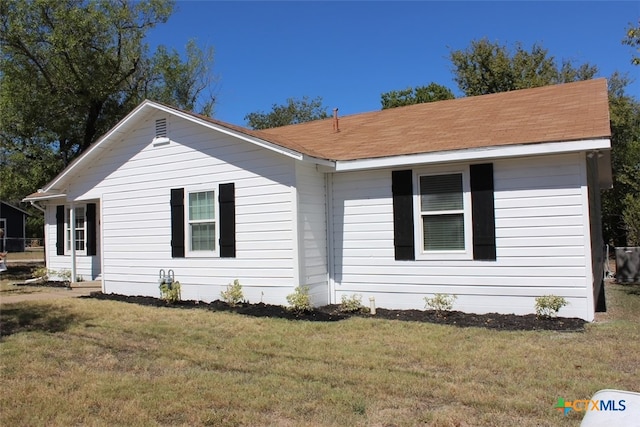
30	254
9	278
90	362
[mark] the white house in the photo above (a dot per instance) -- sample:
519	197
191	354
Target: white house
492	198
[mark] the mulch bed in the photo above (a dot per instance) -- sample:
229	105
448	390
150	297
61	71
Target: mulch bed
46	284
505	322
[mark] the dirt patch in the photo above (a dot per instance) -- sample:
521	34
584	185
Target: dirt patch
506	322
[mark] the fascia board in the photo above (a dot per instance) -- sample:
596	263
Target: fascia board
44	197
475	154
324	163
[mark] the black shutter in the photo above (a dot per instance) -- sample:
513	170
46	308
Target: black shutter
91	229
483	212
227	199
60	230
403	237
177	222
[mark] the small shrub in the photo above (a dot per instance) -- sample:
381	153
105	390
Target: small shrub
45	274
64	274
170	291
440	302
549	305
299	300
41	273
233	295
352	304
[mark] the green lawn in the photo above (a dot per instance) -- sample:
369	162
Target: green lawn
105	363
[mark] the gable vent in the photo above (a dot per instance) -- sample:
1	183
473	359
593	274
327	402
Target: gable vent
161	128
161	133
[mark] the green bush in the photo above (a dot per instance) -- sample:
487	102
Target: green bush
352	304
233	295
299	300
42	272
170	291
549	305
440	302
46	274
64	274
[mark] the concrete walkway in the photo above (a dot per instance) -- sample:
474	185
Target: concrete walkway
49	293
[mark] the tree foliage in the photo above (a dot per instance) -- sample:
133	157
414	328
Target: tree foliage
633	39
71	69
618	203
418	95
292	112
485	67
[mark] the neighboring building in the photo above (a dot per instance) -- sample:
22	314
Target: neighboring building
13	221
492	198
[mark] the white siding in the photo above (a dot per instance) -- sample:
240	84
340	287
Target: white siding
133	180
540	237
312	232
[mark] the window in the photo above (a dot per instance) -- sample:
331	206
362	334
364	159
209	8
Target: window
201	221
80	238
444	214
443	210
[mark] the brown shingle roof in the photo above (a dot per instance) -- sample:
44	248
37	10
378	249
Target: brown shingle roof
566	112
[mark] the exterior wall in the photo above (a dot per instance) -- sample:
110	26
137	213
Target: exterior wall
133	181
312	232
540	237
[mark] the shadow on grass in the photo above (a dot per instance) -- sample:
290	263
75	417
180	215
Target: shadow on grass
630	289
30	317
20	271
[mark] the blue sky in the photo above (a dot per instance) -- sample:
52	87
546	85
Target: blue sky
349	53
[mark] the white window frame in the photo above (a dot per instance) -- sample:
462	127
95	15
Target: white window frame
68	241
189	252
459	254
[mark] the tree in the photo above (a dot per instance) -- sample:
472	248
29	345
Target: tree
292	112
419	95
633	39
618	203
486	67
621	205
71	69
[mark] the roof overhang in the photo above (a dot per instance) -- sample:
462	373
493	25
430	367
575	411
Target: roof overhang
41	197
479	154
